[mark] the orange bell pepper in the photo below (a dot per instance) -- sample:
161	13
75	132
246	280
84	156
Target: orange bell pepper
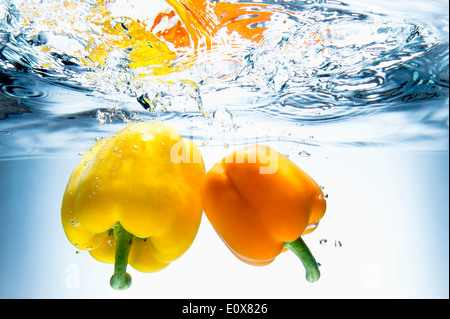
260	203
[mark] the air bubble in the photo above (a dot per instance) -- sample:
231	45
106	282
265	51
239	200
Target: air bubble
304	154
311	226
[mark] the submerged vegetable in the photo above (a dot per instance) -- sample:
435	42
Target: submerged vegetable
135	199
261	203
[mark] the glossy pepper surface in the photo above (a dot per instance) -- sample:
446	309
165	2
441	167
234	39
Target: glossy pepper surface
260	203
134	198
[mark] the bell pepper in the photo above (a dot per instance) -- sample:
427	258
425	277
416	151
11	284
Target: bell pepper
134	198
260	203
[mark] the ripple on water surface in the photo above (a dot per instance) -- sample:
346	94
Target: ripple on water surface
304	72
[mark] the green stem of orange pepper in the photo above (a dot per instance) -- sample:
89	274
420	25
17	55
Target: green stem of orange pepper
302	251
121	279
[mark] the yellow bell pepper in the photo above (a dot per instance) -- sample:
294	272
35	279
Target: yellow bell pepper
134	198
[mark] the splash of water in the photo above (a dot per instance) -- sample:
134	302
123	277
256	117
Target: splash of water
302	64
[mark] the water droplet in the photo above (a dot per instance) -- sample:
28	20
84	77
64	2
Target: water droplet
77	252
323	241
80	154
74	223
318	265
135	147
337	243
5	133
115	149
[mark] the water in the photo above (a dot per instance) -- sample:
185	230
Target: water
355	93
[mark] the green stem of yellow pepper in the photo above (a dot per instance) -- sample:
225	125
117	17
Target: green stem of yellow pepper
302	251
121	279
